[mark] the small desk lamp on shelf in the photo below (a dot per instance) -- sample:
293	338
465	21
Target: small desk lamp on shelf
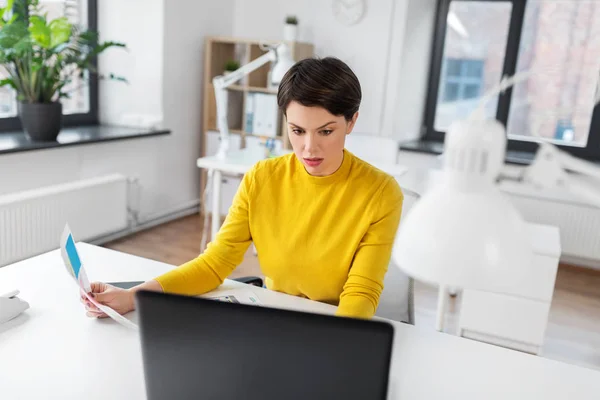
281	57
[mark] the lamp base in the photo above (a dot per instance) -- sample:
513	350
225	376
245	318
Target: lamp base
223	149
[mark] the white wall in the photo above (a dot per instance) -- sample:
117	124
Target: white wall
186	27
388	50
141	63
409	70
364	46
164	65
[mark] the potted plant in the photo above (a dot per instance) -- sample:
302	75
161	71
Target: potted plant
231	66
41	58
290	29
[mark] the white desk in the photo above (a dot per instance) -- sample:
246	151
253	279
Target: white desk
54	352
240	162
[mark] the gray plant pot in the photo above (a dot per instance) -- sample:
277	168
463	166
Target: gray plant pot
41	121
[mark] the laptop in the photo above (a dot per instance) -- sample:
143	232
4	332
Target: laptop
197	348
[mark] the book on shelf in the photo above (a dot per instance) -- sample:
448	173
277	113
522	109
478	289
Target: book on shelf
261	114
249	117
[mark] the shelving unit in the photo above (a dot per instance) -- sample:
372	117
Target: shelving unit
219	50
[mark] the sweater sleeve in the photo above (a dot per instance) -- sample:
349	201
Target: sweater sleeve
360	295
222	255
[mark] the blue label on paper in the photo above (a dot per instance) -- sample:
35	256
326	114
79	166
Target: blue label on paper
73	256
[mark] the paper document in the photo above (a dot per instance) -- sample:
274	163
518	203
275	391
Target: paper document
75	268
238	296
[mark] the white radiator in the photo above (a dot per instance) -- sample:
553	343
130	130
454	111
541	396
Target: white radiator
579	227
31	221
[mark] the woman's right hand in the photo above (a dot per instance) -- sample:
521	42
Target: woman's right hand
120	300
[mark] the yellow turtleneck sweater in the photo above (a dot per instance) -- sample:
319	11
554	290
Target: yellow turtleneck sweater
326	238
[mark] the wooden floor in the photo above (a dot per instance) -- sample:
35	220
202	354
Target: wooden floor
573	333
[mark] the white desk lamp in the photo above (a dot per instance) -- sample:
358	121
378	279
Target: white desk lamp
464	232
282	58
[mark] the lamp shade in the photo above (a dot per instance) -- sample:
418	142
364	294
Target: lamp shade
466	240
464	232
283	63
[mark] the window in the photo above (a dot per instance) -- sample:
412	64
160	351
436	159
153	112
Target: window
81	107
478	42
561	39
462	82
462	79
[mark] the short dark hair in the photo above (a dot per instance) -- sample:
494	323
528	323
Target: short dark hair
327	82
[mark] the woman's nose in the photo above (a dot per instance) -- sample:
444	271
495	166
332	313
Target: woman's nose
310	142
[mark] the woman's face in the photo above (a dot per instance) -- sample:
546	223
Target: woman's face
318	137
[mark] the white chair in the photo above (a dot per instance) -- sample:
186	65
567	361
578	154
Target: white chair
373	148
397	299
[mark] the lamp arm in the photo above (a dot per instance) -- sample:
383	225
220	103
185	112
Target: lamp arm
586	191
221	83
221	100
550	166
549	170
574	164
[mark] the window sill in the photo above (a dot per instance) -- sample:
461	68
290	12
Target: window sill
437	148
16	142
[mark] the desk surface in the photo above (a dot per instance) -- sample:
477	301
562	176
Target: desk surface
54	352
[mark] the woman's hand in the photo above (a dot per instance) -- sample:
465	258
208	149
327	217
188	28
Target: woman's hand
120	300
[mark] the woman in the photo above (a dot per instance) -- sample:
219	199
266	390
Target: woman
323	221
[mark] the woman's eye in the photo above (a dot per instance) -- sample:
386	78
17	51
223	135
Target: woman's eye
326	132
297	131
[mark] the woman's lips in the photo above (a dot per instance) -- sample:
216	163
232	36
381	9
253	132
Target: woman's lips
313	162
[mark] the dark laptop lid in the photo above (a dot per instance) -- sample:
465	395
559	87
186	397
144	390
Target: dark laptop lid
205	349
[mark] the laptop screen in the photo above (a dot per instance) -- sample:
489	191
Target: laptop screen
204	349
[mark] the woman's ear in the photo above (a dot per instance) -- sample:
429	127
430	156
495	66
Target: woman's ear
352	122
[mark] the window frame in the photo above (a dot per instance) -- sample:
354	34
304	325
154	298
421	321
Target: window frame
11	124
429	133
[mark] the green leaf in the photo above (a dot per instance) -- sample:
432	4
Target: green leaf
60	29
11	34
23	46
8	82
6	9
114	77
40	31
103	46
42	56
85	62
